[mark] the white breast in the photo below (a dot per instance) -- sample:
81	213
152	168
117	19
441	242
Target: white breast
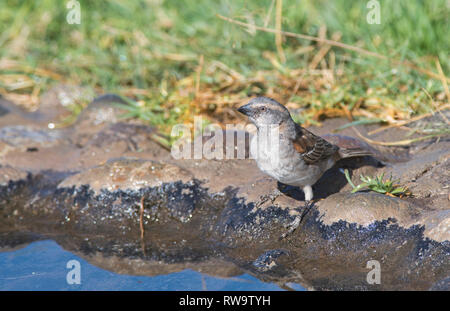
278	159
270	158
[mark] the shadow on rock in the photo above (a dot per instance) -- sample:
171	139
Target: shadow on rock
333	180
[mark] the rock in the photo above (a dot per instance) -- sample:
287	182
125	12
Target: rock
437	225
55	104
427	175
11	114
9	174
28	137
104	189
443	285
100	112
127	174
138	266
267	261
365	208
89	142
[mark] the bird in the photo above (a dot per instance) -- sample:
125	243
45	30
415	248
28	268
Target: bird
288	152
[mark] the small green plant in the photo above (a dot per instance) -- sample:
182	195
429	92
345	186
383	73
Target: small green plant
389	187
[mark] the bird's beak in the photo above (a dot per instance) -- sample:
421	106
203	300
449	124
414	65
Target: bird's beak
245	110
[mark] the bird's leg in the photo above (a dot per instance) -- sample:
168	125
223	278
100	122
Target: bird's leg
308	193
308	200
272	197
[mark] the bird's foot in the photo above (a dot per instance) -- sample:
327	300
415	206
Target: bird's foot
272	197
298	219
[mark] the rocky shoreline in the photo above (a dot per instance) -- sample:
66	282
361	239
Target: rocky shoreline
103	189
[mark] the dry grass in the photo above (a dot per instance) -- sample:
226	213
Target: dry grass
179	68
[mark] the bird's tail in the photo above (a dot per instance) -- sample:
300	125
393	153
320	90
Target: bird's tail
352	147
354	152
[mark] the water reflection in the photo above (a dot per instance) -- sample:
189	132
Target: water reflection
42	266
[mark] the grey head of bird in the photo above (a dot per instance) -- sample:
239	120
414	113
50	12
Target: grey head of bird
265	111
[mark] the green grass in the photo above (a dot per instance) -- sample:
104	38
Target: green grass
378	184
150	50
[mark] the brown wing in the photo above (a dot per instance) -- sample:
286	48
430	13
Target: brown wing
312	148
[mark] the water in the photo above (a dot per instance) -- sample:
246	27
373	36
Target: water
41	266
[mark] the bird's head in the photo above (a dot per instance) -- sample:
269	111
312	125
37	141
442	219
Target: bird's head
265	111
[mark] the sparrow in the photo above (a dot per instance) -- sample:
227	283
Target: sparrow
288	152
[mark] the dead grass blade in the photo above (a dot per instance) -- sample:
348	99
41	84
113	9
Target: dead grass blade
404	122
197	75
443	80
278	34
404	142
335	43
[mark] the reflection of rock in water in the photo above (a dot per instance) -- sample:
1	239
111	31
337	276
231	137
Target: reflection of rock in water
85	186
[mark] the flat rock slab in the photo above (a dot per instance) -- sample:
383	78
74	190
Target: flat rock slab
127	175
366	208
105	190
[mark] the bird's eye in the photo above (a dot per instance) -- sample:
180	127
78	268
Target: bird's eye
263	108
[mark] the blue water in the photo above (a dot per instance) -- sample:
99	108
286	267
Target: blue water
42	266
